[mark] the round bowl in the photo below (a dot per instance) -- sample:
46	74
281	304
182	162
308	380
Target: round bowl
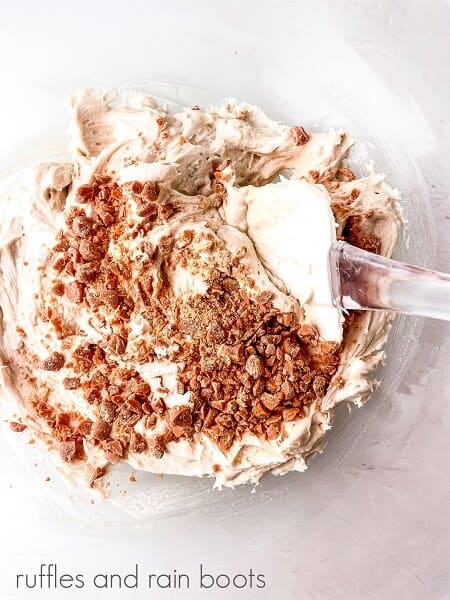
369	518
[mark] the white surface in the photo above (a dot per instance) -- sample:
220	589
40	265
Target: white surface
370	519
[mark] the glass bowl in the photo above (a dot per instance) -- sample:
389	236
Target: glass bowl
371	512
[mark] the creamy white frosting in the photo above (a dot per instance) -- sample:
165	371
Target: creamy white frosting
292	228
285	226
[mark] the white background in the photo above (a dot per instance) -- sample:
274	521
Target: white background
376	525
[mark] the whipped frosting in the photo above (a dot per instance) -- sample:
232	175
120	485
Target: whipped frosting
292	228
283	200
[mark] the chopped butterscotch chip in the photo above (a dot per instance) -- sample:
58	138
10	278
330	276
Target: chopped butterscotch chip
269	350
91	250
59	263
134	403
117	344
150	191
270	401
258	388
86	272
62	245
71	383
339	381
100	430
85	193
261	410
113	450
159	406
147	408
291	347
58	288
156	446
308	332
150	421
275	418
314	175
146	208
17	427
185	239
140	387
273	431
109	297
264	297
234	352
289	414
127	418
319	385
166	243
107	411
84	427
254	366
115	397
138	443
225	441
95	475
299	134
180	415
288	319
83	227
54	362
345	174
355	233
288	390
68	450
371	243
226	420
178	431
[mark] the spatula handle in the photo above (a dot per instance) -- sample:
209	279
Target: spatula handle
365	281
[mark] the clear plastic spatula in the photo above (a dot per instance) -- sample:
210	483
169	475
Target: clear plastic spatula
365	281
